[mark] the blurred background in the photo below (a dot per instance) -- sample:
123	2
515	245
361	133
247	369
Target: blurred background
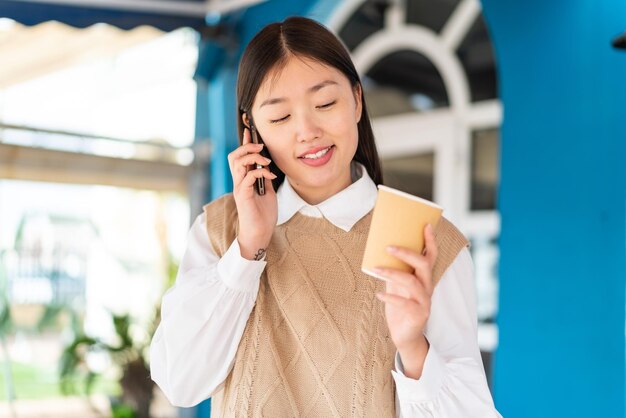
116	118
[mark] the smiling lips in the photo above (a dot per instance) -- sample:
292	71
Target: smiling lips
317	156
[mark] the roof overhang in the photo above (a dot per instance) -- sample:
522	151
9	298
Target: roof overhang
166	15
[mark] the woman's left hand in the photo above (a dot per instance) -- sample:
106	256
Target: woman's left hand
407	301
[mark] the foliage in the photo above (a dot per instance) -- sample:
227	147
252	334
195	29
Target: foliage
127	353
6	324
122	411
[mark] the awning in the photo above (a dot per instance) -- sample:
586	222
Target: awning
166	15
30	52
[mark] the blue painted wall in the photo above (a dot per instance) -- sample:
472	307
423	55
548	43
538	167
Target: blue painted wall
562	200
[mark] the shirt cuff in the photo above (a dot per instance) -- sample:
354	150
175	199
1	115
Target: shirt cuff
239	273
427	386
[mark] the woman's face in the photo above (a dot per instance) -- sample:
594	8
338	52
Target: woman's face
307	115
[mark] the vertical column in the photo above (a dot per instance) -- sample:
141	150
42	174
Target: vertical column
222	117
199	185
562	201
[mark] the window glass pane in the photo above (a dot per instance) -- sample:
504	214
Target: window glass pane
403	82
485	256
368	18
484	169
429	13
413	174
477	57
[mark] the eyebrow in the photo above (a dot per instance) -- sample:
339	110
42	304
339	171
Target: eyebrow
312	89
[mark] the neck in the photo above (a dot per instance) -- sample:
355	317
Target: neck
316	195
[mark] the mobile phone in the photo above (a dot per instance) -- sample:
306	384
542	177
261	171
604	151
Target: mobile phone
259	185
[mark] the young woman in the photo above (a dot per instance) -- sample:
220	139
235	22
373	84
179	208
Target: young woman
271	315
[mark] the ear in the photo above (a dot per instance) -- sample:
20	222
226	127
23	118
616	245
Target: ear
246	121
358	98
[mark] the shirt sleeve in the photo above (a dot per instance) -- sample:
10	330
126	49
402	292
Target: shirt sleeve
453	382
203	317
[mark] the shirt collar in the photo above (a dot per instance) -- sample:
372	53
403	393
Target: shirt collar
343	209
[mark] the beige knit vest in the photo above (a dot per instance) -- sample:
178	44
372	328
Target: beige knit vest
316	343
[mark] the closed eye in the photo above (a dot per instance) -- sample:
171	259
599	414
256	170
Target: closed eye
324	106
279	120
327	105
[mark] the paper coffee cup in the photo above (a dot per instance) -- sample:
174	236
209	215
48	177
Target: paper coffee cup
399	219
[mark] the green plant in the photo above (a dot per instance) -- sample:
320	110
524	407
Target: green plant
127	353
122	411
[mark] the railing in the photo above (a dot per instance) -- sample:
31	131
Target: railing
152	150
54	278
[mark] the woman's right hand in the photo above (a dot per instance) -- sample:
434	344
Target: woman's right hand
257	214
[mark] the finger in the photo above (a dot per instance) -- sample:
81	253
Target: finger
246	163
251	160
241	165
252	175
412	258
247	138
421	265
430	242
404	304
244	149
401	282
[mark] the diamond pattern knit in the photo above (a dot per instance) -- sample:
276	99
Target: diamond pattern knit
316	343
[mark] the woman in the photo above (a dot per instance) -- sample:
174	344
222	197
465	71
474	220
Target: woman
270	315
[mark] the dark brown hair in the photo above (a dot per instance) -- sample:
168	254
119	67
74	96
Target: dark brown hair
302	37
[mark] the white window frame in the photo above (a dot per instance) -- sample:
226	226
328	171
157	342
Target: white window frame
445	132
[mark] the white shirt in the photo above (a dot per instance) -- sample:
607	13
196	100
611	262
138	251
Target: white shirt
204	314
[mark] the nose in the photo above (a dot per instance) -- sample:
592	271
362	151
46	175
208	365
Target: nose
308	128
